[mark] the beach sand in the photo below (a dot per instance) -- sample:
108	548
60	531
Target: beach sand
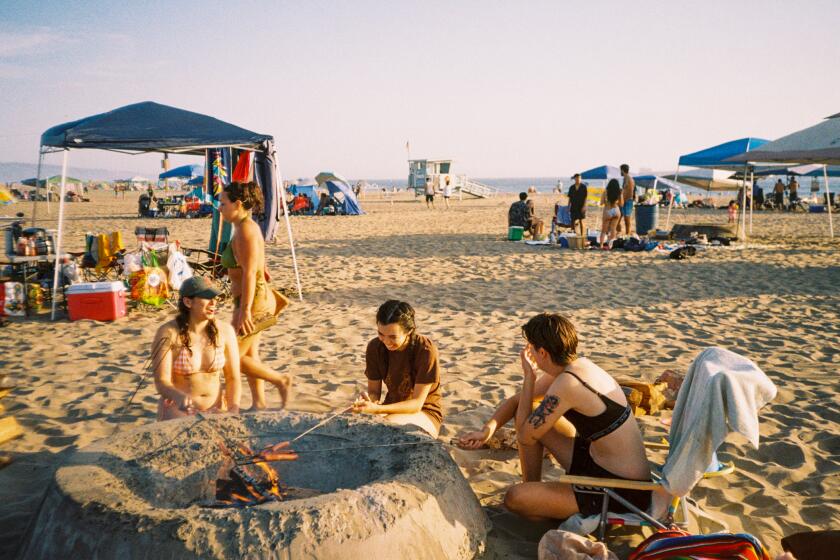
776	301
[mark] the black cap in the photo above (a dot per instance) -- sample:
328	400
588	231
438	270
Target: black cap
198	286
575	175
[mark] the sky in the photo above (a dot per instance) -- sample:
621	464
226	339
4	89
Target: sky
506	89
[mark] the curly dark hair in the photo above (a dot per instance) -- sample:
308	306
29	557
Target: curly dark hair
249	193
555	334
183	322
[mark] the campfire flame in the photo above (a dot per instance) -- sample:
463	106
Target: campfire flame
250	479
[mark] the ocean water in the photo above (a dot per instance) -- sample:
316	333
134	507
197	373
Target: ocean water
547	184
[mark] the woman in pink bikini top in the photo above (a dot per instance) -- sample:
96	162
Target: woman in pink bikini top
193	353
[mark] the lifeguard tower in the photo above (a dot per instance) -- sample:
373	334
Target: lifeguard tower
440	169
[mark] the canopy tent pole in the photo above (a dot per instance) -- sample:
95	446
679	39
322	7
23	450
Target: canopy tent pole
752	197
58	246
671	205
828	202
37	182
288	227
743	228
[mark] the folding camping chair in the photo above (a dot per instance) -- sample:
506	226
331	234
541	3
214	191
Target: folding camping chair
715	380
209	264
102	259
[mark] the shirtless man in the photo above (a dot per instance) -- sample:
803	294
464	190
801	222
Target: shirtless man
628	193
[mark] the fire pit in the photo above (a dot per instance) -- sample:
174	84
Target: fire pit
358	488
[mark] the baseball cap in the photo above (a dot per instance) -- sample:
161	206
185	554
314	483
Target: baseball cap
198	286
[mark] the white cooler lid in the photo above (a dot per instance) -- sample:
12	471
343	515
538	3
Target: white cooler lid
95	287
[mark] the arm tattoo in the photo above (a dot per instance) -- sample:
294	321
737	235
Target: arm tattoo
547	406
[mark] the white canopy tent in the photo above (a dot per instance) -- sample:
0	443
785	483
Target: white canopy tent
818	144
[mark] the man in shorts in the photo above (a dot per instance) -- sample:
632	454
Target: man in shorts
628	193
577	204
430	193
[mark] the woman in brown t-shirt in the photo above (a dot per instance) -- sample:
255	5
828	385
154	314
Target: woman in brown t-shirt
408	364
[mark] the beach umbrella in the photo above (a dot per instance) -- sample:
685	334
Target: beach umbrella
818	144
185	171
604	173
706	179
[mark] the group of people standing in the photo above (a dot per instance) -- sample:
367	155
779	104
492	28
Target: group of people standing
433	186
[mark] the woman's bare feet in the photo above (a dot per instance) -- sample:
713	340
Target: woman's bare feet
285	388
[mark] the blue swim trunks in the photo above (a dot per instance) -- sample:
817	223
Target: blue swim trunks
628	208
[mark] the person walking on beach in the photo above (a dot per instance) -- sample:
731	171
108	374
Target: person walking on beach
430	193
628	194
253	300
577	204
447	191
581	417
407	362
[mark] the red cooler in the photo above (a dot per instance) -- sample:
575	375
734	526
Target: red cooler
100	301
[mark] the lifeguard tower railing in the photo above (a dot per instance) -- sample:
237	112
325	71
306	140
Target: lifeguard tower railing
461	184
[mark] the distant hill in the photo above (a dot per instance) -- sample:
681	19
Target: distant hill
12	171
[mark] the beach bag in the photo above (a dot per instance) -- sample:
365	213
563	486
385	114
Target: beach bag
682	253
149	285
178	268
650	399
634	245
564	545
672	543
15	302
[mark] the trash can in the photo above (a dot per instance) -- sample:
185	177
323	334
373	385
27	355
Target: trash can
647	217
515	233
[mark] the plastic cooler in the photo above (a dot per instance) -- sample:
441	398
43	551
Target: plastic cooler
100	301
515	233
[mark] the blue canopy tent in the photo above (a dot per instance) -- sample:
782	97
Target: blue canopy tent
189	171
717	157
336	184
309	191
151	127
196	181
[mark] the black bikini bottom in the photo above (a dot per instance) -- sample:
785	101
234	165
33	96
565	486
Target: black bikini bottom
590	504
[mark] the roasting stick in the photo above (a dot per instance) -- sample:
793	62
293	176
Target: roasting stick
321	423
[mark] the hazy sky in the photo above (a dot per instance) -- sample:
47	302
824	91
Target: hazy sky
504	88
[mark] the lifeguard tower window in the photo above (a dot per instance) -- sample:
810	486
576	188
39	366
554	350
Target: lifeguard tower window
444	167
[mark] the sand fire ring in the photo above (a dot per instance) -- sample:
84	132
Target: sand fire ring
146	493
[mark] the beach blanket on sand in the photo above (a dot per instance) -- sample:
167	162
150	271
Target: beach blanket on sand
722	393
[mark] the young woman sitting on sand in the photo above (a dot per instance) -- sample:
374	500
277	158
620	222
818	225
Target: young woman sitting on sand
583	419
191	353
612	201
244	258
408	364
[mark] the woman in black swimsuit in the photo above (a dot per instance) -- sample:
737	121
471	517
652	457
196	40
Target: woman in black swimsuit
583	419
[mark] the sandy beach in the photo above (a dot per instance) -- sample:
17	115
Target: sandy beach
776	301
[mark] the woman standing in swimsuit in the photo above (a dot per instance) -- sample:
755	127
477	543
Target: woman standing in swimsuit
612	201
244	258
583	420
192	352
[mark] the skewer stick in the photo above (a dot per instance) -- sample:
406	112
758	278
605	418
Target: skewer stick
321	423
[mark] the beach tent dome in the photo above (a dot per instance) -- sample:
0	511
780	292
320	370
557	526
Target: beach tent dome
310	191
338	185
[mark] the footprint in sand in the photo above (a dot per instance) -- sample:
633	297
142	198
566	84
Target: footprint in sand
785	454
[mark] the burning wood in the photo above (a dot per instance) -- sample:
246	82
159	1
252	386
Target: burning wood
250	479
